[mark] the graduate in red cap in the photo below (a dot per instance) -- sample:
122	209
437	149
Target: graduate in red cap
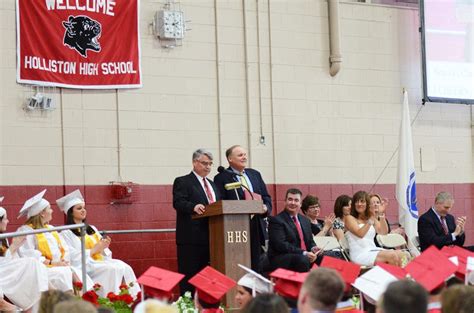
348	271
211	285
288	284
159	283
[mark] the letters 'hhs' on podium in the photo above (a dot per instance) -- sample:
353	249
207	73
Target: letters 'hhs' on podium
229	234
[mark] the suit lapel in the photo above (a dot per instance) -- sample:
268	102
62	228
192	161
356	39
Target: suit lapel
437	222
198	186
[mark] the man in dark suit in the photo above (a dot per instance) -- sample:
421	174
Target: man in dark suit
190	195
251	179
286	248
437	227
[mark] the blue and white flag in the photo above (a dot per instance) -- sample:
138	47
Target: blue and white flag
406	186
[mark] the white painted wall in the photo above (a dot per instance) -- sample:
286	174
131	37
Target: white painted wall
318	129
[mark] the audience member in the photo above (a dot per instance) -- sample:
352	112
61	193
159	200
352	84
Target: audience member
458	299
311	208
266	302
362	226
101	267
321	291
74	306
252	180
154	306
50	298
191	193
437	227
404	296
290	237
342	207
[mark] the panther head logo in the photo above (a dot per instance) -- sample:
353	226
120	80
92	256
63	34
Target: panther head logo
82	33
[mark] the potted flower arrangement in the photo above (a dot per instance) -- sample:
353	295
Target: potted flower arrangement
185	303
122	302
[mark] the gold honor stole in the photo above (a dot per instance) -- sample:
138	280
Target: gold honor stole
43	245
90	243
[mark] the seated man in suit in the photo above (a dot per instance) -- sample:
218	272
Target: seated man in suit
252	180
191	193
290	237
437	227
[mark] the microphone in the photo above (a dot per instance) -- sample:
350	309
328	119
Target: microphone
231	186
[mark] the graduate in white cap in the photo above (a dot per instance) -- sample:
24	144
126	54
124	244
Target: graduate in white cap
48	247
109	273
250	285
21	279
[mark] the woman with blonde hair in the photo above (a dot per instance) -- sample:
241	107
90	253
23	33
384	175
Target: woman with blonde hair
48	248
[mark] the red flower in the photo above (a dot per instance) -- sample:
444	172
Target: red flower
96	286
128	299
123	286
78	285
112	297
91	296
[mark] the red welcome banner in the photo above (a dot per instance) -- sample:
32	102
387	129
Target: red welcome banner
86	44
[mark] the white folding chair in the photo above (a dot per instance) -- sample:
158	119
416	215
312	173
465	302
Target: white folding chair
328	243
345	248
391	241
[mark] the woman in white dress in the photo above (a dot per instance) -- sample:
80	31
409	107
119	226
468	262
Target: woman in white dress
102	268
48	248
362	227
21	279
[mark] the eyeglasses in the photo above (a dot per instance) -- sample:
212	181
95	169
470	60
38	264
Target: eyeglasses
314	207
204	163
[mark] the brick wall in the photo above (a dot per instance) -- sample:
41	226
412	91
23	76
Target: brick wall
154	210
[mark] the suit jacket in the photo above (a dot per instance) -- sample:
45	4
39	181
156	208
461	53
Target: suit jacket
259	187
187	192
431	232
283	235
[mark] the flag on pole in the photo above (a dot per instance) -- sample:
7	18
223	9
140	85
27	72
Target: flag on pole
406	185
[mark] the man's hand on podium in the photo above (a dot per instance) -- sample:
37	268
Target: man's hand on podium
199	209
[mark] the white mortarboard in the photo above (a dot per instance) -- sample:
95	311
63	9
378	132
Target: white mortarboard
374	282
34	205
2	210
254	281
70	200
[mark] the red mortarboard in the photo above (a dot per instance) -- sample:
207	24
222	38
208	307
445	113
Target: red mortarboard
431	268
396	271
288	283
462	255
211	284
159	282
349	271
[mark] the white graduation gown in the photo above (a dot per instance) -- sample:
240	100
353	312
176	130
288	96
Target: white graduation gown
60	277
107	272
22	279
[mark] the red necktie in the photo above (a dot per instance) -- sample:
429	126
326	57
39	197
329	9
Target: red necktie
300	233
208	191
443	224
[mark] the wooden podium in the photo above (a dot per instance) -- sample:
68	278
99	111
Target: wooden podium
229	236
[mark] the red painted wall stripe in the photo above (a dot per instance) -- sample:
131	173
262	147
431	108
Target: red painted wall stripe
154	209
